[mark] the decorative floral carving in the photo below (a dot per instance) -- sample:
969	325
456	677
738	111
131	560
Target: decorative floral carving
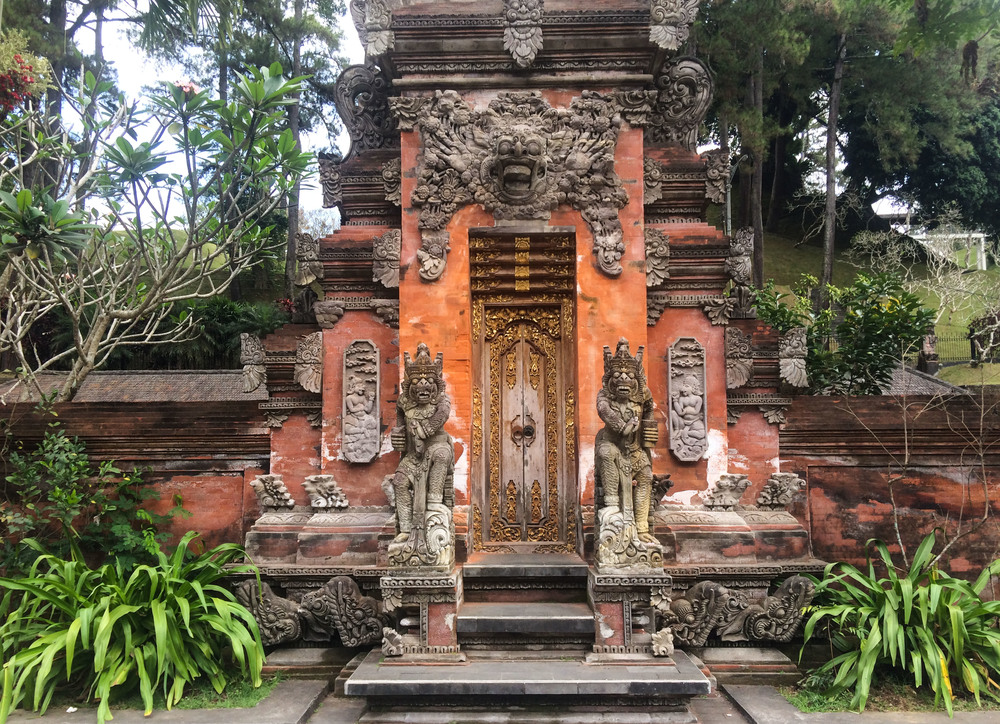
361	438
688	419
522	32
670	22
739	358
392	642
361	96
252	359
276	617
716	175
274	419
432	254
328	312
739	263
423	484
774	414
315	418
743	301
388	311
373	20
309	362
272	495
324	493
792	353
520	159
663	642
657	257
652	181
338	607
636	106
685	92
408	110
330	179
724	493
779	490
777	617
310	268
385	258
623	471
391	180
719	309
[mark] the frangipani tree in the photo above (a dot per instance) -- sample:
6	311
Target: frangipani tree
110	231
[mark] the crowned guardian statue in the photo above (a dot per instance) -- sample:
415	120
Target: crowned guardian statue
424	481
624	473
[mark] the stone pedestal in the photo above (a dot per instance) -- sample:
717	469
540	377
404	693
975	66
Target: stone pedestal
694	535
425	606
624	616
348	537
274	537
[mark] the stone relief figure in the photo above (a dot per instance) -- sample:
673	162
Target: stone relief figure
623	465
688	422
423	485
685	412
360	414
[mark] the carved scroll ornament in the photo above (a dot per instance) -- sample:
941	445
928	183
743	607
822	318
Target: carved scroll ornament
373	21
776	617
688	419
330	179
362	437
670	22
272	495
361	96
685	93
716	175
385	258
792	352
779	490
520	159
652	181
277	617
739	358
725	493
324	493
310	268
657	257
522	32
309	362
252	359
739	263
339	608
391	180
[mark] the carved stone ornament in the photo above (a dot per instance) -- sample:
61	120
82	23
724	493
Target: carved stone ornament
623	468
385	258
309	362
652	181
792	352
388	311
373	20
704	607
276	617
423	485
361	96
685	93
716	175
362	436
776	618
330	179
328	312
657	257
663	642
272	495
739	263
408	110
718	310
274	419
432	254
636	106
688	418
670	22
520	159
392	642
661	486
739	358
725	493
310	268
252	359
743	303
779	490
522	30
339	608
324	493
392	181
774	414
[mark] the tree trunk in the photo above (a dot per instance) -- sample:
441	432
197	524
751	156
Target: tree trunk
830	213
757	179
293	125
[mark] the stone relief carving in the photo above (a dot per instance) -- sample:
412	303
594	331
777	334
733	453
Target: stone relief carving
330	179
739	263
328	313
774	414
361	96
392	181
688	418
309	362
725	493
739	358
657	257
272	495
772	407
792	352
663	642
388	311
623	468
652	181
718	310
324	493
520	159
274	419
423	485
361	438
779	490
276	617
339	607
670	22
743	301
252	359
408	110
385	258
310	268
392	642
522	32
776	618
661	486
685	92
373	20
716	175
693	617
636	106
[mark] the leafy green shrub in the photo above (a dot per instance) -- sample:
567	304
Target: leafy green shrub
923	623
58	497
100	629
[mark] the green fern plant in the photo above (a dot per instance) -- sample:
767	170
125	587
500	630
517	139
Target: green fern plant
925	623
100	630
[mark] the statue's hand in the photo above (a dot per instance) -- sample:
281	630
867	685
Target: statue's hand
398	438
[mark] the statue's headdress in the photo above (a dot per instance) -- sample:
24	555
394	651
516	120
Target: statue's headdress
423	365
623	361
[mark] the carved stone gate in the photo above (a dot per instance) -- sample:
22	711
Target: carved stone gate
524	481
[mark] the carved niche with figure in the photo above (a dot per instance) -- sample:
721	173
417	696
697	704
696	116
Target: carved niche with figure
361	438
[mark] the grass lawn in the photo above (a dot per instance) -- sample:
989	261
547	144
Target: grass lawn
963	374
886	695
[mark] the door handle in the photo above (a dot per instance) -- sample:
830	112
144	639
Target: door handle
517	431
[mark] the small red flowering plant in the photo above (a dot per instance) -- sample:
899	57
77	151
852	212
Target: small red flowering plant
22	75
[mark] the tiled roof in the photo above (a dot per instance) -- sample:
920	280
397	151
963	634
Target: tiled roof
146	386
908	381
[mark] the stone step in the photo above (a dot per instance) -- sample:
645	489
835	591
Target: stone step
551	619
525	577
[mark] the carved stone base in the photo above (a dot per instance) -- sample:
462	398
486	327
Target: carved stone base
624	611
431	547
348	537
425	607
618	547
274	536
694	535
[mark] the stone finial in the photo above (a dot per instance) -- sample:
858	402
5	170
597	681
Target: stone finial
310	268
324	493
272	495
361	96
670	22
330	179
252	359
792	352
663	642
725	493
373	21
392	642
716	175
522	32
779	490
